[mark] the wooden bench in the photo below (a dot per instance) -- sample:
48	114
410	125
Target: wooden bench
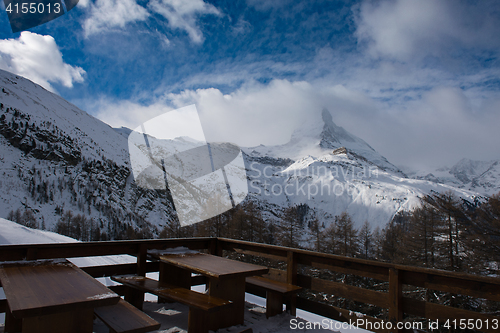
125	318
275	293
200	305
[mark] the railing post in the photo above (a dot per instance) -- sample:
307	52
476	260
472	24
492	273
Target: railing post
291	267
291	278
136	297
141	259
214	247
395	299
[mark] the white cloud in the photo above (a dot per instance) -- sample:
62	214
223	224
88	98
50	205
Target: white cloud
108	14
182	14
38	58
253	115
83	3
126	113
405	29
441	127
241	27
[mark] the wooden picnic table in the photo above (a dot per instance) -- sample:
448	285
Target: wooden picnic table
226	280
51	296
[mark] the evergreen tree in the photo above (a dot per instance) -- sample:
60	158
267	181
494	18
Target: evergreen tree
348	235
451	215
365	240
392	241
420	240
482	244
289	230
317	235
331	239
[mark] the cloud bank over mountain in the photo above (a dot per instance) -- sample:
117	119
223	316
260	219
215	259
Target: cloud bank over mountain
417	79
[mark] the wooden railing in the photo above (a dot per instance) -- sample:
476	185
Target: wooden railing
396	275
298	264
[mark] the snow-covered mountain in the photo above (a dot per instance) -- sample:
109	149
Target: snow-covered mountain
477	176
333	171
56	158
319	135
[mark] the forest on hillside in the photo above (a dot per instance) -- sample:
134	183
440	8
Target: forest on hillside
445	232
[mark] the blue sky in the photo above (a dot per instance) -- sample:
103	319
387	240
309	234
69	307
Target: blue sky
418	80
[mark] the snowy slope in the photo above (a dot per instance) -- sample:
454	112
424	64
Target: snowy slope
51	112
13	233
334	183
56	158
16	234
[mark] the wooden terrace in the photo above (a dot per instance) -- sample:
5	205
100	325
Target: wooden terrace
290	269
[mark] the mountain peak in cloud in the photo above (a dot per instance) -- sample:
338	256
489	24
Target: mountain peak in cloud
332	133
323	133
319	135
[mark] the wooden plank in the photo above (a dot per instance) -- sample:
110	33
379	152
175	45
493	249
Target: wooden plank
291	278
359	267
208	303
232	245
142	283
212	266
77	321
87	249
214	248
254	290
274	304
172	292
466	284
439	312
124	318
174	275
39	288
231	289
291	268
340	315
276	275
141	259
395	298
31	254
198	321
119	289
259	254
119	269
357	294
12	324
280	287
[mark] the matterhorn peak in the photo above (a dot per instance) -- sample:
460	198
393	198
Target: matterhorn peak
332	135
318	135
